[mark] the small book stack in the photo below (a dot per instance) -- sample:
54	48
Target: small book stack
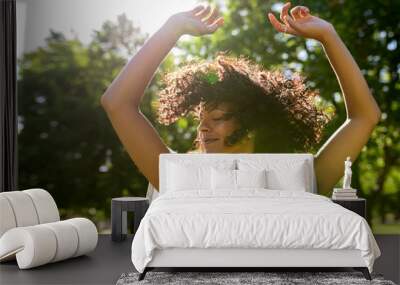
344	194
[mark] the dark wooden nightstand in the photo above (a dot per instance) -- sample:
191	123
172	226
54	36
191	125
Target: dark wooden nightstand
358	205
119	208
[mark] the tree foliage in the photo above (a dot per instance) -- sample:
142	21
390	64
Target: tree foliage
66	143
68	146
371	31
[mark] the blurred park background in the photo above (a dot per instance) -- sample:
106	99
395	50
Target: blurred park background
67	145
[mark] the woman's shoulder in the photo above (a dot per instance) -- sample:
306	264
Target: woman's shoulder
190	151
171	150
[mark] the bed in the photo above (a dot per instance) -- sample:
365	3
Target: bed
248	210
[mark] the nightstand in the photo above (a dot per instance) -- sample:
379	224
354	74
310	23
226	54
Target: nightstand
358	205
119	208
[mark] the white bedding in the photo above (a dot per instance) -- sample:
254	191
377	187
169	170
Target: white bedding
251	218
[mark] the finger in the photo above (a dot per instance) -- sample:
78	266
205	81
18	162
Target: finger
214	26
212	17
294	26
295	12
196	9
304	11
277	25
284	11
203	13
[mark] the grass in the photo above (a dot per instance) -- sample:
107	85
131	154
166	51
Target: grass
385	229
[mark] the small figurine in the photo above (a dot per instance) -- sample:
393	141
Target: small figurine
347	174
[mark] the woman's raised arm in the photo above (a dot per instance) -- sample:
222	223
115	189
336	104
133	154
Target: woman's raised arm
362	110
122	98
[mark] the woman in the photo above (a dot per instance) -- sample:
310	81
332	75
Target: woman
251	109
121	100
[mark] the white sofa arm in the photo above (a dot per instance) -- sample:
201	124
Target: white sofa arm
40	244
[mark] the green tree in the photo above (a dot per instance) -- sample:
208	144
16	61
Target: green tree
66	143
371	32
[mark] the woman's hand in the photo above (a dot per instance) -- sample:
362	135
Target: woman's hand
198	21
301	23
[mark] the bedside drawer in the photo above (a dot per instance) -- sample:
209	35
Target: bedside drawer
358	206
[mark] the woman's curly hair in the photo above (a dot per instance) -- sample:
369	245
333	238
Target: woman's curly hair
278	108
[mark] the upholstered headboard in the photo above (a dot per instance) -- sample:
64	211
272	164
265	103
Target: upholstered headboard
245	159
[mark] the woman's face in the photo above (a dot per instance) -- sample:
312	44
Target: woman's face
213	129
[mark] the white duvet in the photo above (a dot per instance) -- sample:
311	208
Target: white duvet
252	218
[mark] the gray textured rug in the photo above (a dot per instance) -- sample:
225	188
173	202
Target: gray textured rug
225	278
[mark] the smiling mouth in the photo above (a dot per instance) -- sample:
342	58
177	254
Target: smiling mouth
210	141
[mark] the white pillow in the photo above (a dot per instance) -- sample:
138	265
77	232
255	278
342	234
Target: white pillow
294	178
223	179
183	177
251	178
183	173
236	179
281	174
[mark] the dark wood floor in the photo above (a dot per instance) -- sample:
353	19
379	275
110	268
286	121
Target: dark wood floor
110	260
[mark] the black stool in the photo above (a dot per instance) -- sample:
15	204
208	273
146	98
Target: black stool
119	208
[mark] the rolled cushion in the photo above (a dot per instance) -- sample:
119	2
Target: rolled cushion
45	205
23	208
26	208
66	238
87	235
33	246
40	244
7	218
